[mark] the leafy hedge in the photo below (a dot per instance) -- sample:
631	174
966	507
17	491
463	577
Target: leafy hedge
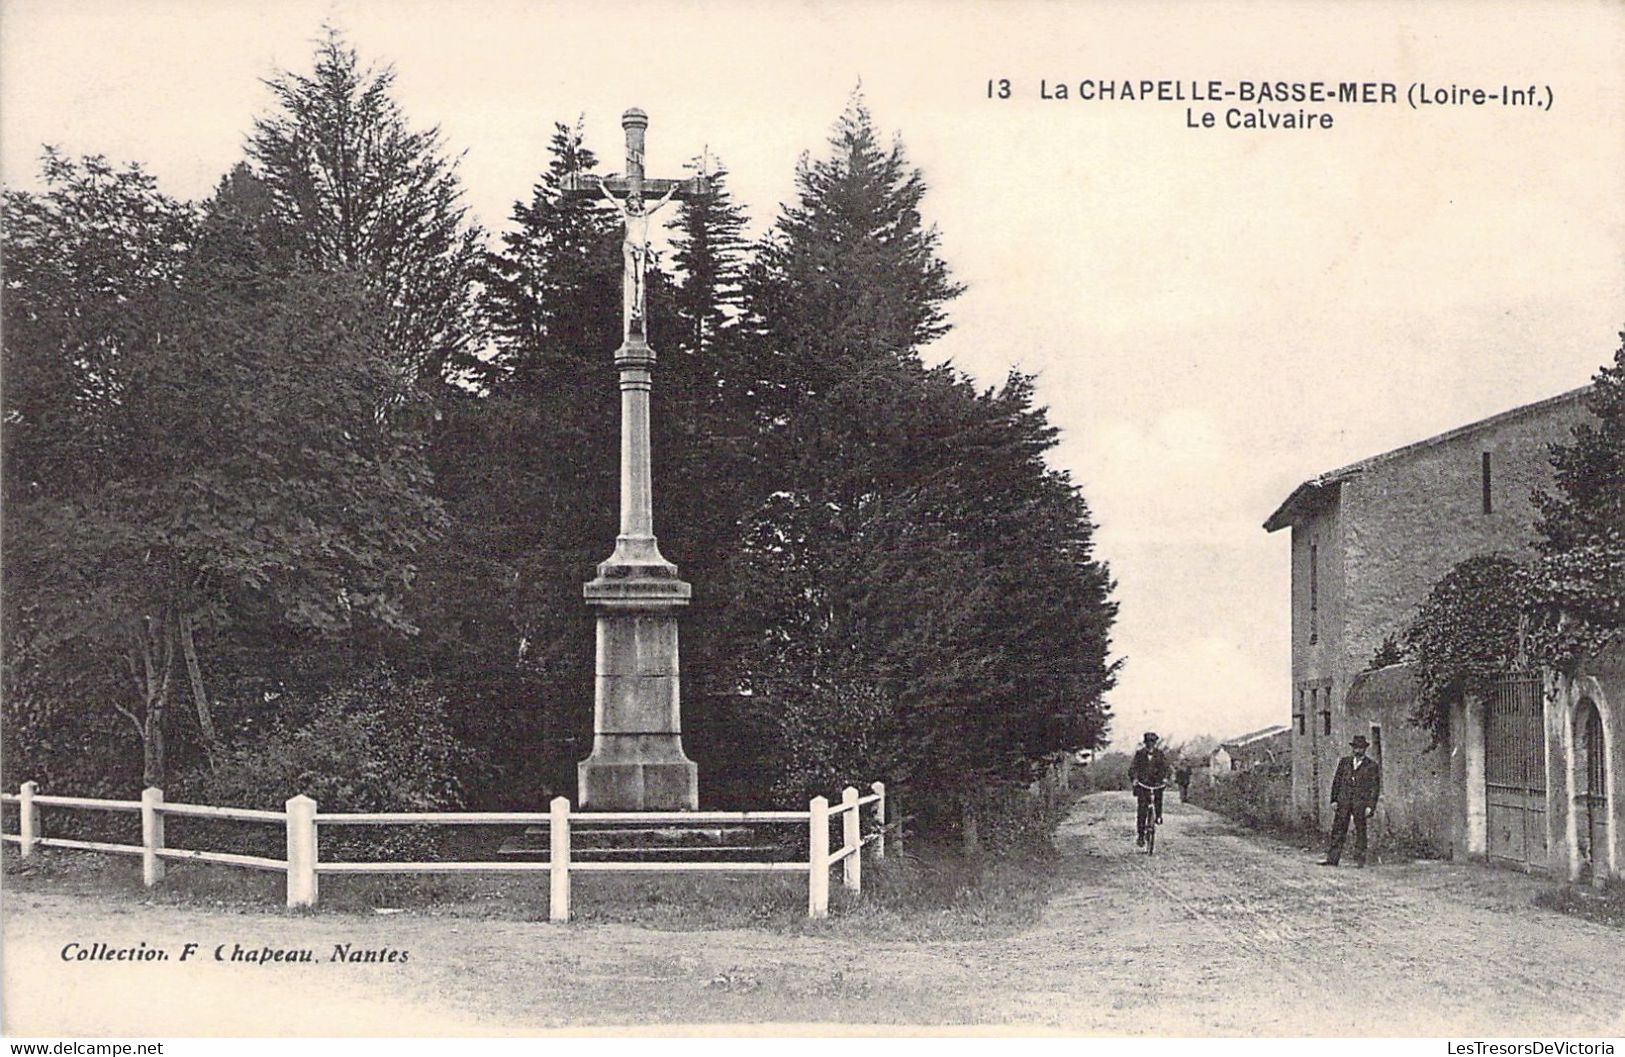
1259	798
380	743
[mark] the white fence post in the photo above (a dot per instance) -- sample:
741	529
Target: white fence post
880	816
152	835
852	840
818	858
301	851
28	818
558	871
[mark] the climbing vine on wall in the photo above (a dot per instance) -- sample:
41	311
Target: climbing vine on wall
1465	635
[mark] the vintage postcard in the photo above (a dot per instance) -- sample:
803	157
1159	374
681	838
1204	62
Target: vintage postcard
1043	518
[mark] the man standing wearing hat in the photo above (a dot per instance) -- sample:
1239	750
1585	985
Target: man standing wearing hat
1355	789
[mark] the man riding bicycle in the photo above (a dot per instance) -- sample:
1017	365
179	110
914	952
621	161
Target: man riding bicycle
1149	771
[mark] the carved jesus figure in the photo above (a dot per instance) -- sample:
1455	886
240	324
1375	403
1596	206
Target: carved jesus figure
634	255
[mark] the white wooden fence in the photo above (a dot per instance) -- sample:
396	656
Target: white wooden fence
302	864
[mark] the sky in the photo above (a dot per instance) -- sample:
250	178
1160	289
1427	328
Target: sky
1213	314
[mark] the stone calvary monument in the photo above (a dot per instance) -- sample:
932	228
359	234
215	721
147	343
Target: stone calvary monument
637	761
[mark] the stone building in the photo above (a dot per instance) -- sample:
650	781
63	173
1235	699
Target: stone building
1368	542
1585	747
1269	748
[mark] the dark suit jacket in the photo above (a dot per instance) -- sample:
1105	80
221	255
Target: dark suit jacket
1357	787
1148	768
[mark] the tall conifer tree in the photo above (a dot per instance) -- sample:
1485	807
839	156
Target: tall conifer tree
928	601
529	473
360	190
850	274
553	292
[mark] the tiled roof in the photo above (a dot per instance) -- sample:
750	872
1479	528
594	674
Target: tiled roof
1252	736
1382	688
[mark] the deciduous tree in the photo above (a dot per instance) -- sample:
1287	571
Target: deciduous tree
239	471
1577	584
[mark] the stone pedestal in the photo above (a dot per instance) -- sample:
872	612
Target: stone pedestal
637	761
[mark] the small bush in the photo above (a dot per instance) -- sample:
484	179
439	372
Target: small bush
378	744
1258	798
1015	822
1106	772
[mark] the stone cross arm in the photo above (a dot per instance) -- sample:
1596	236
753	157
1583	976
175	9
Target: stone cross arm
585	185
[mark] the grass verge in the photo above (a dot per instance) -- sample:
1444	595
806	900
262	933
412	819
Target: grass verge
1606	907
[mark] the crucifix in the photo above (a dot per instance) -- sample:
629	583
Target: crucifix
629	194
635	215
637	761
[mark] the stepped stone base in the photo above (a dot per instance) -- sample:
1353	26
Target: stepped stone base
661	785
698	842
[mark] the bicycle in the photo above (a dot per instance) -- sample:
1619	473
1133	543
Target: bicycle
1145	816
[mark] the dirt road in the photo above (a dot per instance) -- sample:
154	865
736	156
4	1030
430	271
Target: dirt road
1218	934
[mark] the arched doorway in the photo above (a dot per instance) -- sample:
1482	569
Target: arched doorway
1591	787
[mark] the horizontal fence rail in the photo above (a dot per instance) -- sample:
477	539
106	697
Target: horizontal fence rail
253	862
90	845
302	864
431	818
234	814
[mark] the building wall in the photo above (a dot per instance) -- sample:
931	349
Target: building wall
1262	752
1601	680
1416	807
1317	651
1408	521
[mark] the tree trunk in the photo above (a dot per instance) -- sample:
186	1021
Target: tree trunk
205	718
969	834
155	645
152	749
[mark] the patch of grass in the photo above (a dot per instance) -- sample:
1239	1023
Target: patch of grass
1406	845
1606	907
937	892
58	871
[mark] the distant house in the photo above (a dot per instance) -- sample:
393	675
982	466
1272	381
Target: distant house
1368	542
1270	747
1055	776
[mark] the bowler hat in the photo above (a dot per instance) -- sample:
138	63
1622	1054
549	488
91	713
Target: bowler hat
1150	736
1359	742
